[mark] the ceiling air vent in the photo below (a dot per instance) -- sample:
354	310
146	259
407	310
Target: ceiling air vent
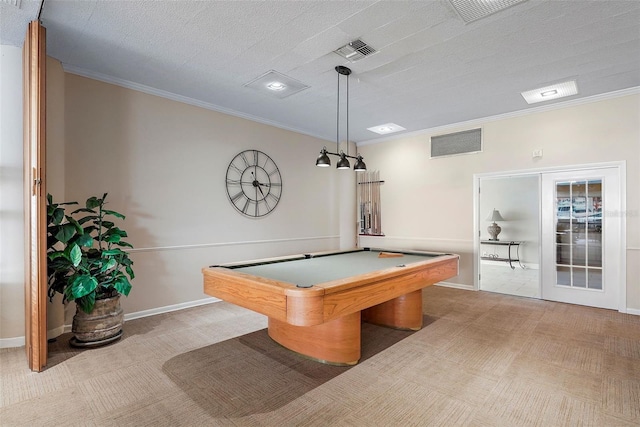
472	10
355	50
468	141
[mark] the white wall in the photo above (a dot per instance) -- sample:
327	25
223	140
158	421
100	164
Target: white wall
428	204
517	200
12	327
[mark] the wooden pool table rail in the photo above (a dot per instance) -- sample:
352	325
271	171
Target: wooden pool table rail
323	322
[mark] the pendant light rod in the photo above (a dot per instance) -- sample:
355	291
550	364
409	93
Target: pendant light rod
348	111
323	159
338	115
345	71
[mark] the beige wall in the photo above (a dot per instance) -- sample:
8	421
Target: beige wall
428	204
55	167
163	164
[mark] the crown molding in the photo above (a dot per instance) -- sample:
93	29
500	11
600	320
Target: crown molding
429	131
520	113
179	98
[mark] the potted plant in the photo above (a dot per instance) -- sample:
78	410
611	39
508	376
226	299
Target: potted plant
86	264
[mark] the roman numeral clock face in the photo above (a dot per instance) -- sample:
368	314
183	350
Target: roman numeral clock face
254	184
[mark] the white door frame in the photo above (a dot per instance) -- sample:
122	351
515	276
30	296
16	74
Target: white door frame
622	172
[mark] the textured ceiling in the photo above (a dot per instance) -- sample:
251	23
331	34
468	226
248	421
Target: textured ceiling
432	69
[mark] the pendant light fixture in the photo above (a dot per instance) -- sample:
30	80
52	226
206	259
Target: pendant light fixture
323	159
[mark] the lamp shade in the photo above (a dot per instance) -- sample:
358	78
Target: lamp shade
360	166
343	163
495	216
323	160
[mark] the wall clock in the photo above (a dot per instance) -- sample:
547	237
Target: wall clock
254	184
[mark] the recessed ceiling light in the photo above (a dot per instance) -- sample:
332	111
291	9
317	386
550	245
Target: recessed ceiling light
276	84
386	128
547	93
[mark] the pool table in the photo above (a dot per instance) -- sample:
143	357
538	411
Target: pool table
315	302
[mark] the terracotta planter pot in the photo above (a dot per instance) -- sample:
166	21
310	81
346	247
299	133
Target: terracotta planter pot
103	325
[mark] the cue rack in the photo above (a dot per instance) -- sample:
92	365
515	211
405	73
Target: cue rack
370	218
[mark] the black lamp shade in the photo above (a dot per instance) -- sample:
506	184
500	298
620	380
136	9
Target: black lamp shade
343	163
323	160
360	166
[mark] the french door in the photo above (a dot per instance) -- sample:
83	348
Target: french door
581	234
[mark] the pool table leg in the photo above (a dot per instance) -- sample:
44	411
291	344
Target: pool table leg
336	342
404	312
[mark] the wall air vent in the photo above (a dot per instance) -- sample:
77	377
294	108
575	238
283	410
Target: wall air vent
355	50
468	141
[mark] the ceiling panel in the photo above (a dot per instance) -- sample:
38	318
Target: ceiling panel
431	68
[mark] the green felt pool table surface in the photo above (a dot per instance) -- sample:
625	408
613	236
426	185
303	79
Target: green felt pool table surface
317	269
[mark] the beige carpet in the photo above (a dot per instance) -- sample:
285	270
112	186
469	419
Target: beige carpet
482	359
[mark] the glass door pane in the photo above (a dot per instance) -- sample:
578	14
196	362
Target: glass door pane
578	220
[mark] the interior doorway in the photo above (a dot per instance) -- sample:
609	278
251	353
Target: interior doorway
508	261
559	227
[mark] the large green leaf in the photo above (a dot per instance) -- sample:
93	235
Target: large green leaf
57	215
85	240
129	271
57	254
93	202
112	252
87	302
75	254
89	229
114	238
87	218
124	244
107	224
107	265
82	285
65	232
76	224
116	230
114	213
122	285
83	210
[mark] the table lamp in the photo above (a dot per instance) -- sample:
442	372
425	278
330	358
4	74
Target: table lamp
494	229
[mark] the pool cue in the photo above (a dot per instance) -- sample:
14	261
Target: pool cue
379	212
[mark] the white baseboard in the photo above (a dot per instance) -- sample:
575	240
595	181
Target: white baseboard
169	308
633	311
20	341
526	265
455	285
12	342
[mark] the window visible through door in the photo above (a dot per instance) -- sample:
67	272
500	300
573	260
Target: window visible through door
579	208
